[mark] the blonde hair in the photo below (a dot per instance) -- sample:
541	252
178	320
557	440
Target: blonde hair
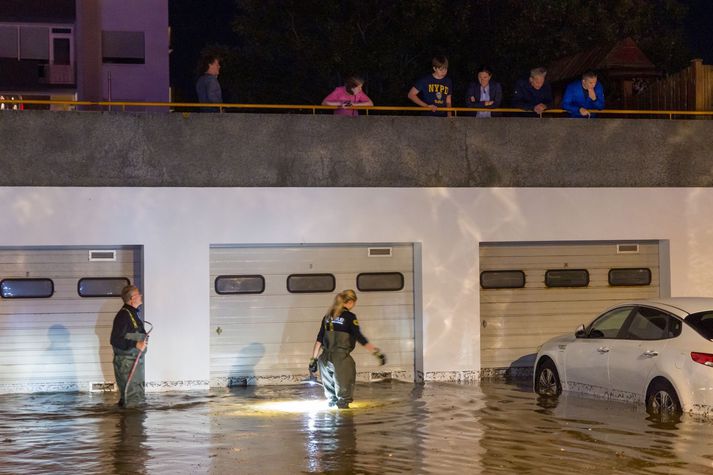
339	300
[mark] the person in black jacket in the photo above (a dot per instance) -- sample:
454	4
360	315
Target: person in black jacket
533	94
336	339
129	342
484	93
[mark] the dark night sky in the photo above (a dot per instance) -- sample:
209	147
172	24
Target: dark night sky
699	26
196	25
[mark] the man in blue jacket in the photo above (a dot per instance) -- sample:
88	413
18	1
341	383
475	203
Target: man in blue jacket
581	97
534	93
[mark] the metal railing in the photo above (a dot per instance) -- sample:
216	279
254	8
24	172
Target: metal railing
178	106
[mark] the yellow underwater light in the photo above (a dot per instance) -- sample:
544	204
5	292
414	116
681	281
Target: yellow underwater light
303	406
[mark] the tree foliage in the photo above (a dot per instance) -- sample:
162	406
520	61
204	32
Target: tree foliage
291	51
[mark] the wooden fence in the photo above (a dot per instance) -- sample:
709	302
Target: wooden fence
690	89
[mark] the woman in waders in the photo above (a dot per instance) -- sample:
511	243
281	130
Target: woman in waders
336	339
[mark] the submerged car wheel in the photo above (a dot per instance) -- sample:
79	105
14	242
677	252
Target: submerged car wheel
663	399
547	380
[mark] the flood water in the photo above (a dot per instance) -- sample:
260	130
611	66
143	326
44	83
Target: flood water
393	427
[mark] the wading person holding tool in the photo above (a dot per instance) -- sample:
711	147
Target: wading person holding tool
336	339
129	341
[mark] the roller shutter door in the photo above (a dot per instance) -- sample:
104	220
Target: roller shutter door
59	343
264	338
515	321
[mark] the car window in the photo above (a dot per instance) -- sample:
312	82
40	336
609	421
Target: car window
609	325
702	322
652	324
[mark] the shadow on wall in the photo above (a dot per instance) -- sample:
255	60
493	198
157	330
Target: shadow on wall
243	371
59	358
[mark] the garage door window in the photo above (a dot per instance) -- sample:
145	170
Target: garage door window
625	277
304	283
101	286
239	284
26	288
380	281
502	279
567	278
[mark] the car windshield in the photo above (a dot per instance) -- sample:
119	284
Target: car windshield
702	322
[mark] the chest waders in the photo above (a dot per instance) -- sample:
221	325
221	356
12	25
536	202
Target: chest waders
129	368
336	366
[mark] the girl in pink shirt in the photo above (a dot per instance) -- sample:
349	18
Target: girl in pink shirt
350	94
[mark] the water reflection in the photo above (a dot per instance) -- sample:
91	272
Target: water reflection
129	452
394	427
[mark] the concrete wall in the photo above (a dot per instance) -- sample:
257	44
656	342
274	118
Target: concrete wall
207	150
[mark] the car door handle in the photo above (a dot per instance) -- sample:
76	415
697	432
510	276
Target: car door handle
651	353
603	349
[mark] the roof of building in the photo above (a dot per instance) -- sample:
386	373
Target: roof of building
624	58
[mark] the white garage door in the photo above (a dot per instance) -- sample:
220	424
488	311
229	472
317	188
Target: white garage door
584	278
51	337
263	333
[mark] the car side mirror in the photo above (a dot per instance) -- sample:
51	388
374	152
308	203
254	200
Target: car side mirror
580	332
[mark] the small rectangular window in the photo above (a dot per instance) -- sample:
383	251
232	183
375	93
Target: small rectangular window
124	47
239	284
303	283
502	279
380	281
8	42
34	42
101	286
567	278
623	277
26	288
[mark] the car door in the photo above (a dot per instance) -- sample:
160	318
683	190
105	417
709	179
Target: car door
587	358
631	362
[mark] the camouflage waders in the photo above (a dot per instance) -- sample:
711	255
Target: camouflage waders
337	367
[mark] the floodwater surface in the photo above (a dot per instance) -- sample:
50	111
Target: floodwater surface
393	427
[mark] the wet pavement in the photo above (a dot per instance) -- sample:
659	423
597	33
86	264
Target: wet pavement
393	427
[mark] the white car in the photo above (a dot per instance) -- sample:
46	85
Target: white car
656	351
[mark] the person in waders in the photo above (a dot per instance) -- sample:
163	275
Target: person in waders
336	339
128	339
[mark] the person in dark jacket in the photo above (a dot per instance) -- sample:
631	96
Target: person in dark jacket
484	93
533	94
207	87
336	339
581	97
129	341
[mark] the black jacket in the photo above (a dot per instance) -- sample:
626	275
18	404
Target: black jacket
128	328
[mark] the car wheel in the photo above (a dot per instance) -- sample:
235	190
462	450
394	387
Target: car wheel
547	380
662	399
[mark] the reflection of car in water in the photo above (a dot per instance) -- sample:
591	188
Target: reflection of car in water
657	351
8	105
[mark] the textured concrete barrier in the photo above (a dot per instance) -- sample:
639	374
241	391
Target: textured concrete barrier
201	150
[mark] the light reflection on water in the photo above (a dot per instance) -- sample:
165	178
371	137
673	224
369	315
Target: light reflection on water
394	427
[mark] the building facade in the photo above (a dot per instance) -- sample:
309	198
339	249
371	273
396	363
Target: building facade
87	50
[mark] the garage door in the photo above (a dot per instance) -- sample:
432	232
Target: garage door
267	304
531	292
56	313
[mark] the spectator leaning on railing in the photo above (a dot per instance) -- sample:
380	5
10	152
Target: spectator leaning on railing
350	94
484	93
435	90
581	97
533	94
207	87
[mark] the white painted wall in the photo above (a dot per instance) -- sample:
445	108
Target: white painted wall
177	225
